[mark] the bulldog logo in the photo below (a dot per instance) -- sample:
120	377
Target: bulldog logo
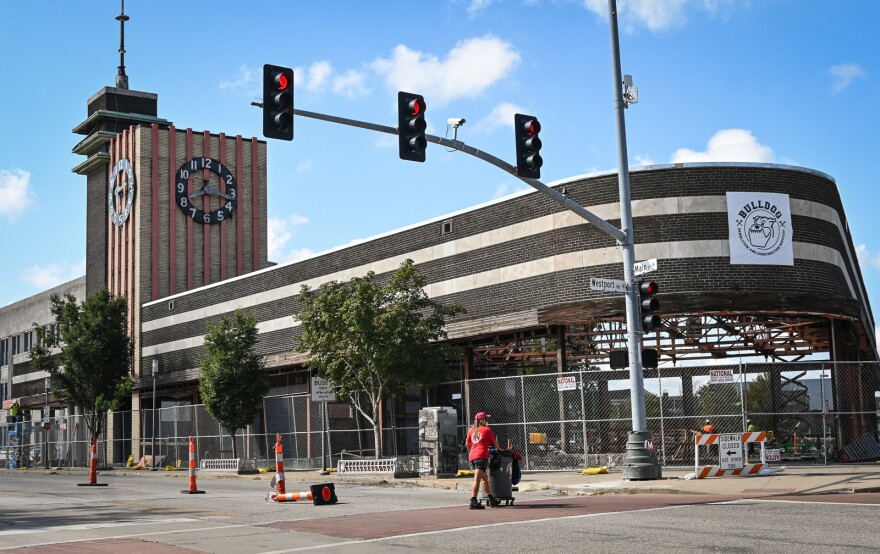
761	227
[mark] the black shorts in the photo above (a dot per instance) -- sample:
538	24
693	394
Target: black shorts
482	463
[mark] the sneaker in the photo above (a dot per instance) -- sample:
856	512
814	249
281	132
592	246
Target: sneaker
476	505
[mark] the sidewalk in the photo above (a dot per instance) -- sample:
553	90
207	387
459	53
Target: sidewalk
812	479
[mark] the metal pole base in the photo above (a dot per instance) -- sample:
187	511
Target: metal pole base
640	464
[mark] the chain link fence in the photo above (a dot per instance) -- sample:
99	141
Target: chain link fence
812	412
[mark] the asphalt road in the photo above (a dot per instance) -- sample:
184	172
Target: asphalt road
146	513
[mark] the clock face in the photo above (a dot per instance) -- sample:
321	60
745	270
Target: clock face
188	198
121	193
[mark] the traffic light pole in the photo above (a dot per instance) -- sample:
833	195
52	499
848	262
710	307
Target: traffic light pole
640	461
561	199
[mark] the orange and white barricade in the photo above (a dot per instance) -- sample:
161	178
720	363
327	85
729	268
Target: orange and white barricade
193	489
291	496
93	467
712	439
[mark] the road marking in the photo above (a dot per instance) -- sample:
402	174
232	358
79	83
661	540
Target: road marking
469	527
780	501
132	536
87	526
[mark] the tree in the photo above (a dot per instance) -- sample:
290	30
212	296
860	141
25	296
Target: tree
92	369
373	339
233	383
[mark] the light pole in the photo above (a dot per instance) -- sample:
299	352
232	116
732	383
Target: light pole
153	446
46	426
640	461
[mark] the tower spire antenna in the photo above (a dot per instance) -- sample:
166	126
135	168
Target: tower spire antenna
121	77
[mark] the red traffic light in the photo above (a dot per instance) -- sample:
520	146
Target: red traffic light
649	287
531	127
281	81
416	106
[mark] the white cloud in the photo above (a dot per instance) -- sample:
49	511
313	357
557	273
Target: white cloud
503	189
658	15
844	74
246	81
48	276
304	166
15	192
643	160
350	84
280	232
316	76
500	116
477	6
471	67
322	77
866	259
728	145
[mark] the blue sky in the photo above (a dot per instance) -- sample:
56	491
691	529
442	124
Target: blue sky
778	81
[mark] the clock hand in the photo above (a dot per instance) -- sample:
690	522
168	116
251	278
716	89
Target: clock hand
119	190
196	194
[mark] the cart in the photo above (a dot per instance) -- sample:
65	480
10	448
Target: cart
500	471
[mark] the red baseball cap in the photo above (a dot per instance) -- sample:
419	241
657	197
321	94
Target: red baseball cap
482	415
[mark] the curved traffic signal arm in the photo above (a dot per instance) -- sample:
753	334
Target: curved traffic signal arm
649	305
411	126
528	146
277	102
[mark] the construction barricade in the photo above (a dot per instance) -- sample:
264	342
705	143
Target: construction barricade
324	493
732	457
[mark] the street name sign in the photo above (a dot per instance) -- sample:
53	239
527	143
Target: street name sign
607	285
647	266
730	451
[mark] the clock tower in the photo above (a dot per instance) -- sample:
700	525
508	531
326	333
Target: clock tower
167	209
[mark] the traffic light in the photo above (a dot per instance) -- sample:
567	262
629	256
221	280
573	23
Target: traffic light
277	102
528	146
411	126
649	305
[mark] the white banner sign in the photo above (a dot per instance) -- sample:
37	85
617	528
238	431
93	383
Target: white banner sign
759	228
772	455
566	382
721	376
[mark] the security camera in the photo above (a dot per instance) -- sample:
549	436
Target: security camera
456	121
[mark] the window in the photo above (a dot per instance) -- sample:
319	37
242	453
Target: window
28	335
446	227
15	343
4	355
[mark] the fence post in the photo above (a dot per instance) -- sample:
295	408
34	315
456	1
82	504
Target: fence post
662	419
824	413
522	389
742	395
584	417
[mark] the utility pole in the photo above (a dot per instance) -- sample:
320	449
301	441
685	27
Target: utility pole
153	433
640	461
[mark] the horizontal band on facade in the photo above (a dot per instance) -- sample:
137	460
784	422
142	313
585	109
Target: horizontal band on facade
558	220
552	264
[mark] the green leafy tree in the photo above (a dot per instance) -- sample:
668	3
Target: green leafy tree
92	369
372	339
233	382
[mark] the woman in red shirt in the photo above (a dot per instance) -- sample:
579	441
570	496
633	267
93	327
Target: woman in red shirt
479	438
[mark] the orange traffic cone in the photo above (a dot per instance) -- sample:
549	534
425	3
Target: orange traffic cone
279	465
93	467
193	489
291	496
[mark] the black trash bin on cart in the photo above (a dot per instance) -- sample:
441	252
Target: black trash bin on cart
500	471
